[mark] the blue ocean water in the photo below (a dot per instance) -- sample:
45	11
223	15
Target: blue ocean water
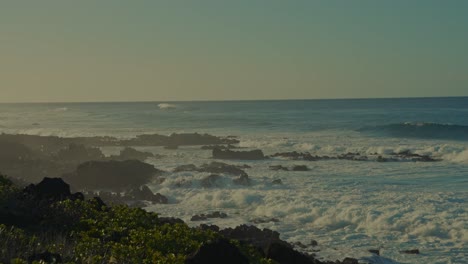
348	205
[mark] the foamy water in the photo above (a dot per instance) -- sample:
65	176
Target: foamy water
349	207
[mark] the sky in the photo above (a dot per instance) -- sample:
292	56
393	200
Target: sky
171	50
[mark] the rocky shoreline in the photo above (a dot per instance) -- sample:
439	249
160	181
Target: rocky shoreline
122	180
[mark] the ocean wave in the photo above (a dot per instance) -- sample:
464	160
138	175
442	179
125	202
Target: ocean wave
59	109
166	106
420	130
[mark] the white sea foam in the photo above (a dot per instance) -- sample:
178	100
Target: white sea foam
166	106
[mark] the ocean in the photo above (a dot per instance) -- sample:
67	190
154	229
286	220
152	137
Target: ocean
347	206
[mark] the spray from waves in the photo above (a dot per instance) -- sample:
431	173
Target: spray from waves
419	130
59	109
166	106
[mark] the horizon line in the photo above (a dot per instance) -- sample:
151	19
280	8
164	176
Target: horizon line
232	100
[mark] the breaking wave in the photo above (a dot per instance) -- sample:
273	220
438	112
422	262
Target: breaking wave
166	106
420	130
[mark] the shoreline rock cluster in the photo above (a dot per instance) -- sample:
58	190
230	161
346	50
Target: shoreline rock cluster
41	207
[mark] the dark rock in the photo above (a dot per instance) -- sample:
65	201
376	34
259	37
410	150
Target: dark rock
114	175
375	251
238	155
219	251
183	183
220	167
224	147
300	168
51	188
188	167
294	155
251	234
214	167
173	146
242	180
186	139
349	261
211	181
411	251
213	228
313	243
285	254
132	154
277	182
144	193
202	217
79	153
45	257
262	220
278	167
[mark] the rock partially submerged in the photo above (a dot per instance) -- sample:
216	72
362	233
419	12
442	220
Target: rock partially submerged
201	217
144	193
185	139
129	153
224	147
211	181
405	156
112	175
238	155
214	167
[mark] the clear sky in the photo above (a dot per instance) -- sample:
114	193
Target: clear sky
150	50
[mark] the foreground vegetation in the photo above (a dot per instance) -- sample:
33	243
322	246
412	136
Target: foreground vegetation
65	228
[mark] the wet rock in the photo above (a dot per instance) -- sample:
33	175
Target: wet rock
224	147
277	182
184	139
238	155
375	251
214	167
220	167
262	220
45	257
188	167
183	183
219	251
242	180
410	251
300	168
132	154
313	243
278	167
113	175
144	193
202	217
211	181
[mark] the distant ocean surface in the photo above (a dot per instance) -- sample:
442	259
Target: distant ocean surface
349	207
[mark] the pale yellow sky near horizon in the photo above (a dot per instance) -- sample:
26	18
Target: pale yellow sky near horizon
167	51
